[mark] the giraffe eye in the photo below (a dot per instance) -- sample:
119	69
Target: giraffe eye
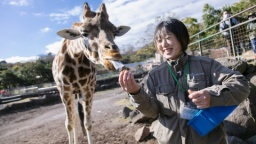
85	33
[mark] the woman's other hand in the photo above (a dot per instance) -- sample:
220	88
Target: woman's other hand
201	98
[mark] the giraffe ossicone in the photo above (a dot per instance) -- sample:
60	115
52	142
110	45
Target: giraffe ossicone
85	44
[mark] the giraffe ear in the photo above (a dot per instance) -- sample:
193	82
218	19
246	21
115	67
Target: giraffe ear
70	34
121	30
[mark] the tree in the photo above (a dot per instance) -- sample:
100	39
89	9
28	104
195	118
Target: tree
242	5
211	16
192	25
36	72
193	28
43	72
125	59
9	79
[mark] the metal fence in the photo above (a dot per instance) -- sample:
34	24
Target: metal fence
217	46
28	89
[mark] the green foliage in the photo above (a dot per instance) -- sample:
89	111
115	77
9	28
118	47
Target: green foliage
141	55
192	25
25	74
8	78
210	17
37	72
193	28
242	5
126	59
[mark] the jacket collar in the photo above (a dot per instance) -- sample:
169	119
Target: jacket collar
179	64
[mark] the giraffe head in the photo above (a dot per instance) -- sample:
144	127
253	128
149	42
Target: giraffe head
98	33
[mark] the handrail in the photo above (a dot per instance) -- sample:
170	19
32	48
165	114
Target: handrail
237	25
236	44
221	21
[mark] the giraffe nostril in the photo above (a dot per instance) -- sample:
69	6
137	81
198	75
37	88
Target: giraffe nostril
114	47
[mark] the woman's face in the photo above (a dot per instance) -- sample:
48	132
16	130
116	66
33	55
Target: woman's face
168	45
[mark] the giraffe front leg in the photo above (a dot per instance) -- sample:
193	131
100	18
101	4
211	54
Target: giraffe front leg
75	128
69	128
70	123
87	107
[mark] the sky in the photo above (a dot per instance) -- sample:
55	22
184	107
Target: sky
29	27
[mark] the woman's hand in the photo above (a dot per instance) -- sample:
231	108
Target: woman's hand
201	98
127	82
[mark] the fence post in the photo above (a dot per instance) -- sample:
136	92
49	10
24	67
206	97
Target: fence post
232	40
199	44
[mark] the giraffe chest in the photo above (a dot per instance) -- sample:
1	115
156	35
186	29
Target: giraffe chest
79	73
76	72
79	78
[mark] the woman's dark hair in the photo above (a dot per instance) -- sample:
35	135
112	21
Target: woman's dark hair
177	28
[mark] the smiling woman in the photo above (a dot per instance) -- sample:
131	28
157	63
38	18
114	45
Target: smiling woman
178	88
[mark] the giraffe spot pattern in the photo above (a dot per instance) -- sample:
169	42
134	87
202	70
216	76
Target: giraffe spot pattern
69	103
64	47
69	59
83	81
69	72
95	45
75	85
80	56
85	61
70	128
60	62
77	55
65	81
83	71
66	97
67	88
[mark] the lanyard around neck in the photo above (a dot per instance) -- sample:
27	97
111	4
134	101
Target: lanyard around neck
175	78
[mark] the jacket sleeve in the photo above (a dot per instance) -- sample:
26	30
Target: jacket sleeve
221	27
228	87
225	33
235	21
145	101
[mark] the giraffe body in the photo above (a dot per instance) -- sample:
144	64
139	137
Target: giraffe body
74	72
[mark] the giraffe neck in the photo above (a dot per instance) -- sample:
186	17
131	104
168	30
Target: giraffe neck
81	45
72	68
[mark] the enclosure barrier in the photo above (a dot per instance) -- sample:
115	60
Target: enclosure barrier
216	46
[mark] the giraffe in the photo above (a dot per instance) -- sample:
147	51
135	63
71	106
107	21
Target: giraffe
85	44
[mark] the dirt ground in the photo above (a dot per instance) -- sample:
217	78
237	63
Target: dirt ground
46	124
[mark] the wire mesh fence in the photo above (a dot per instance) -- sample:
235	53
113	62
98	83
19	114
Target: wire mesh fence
213	43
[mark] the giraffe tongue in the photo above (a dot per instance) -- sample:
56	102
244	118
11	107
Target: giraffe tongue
117	64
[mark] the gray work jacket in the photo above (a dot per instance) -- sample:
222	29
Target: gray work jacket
162	98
